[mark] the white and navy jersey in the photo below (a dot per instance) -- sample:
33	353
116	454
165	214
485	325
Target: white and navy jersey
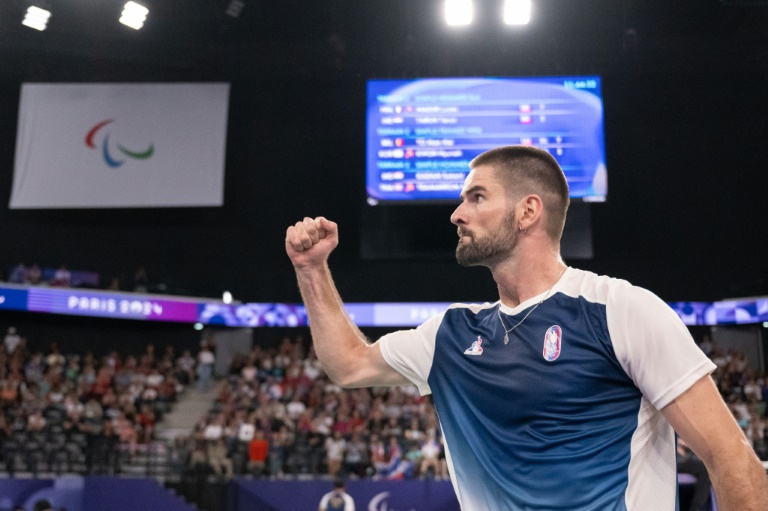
337	501
566	416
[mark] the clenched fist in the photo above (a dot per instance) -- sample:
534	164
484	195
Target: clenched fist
310	242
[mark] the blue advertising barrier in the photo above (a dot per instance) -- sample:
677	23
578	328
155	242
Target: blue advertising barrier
261	495
15	492
90	494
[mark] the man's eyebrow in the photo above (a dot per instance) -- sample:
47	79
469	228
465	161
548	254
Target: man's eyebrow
476	188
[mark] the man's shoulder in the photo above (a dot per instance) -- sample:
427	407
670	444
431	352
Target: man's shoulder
595	288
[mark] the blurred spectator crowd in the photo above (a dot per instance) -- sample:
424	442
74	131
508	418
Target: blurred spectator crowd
277	414
78	413
62	276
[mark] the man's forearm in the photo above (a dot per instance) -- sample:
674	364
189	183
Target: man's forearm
336	338
741	486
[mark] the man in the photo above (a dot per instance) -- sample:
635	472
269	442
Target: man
337	500
561	395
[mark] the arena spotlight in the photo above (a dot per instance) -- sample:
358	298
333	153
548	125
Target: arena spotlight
198	326
226	297
517	12
234	8
134	15
458	12
36	18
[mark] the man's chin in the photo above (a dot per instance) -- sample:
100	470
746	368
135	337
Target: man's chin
465	259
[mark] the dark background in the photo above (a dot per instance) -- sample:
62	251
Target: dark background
686	116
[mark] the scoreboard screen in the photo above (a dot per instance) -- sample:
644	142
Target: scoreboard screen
422	134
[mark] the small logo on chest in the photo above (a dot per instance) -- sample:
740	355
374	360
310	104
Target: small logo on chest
476	348
553	341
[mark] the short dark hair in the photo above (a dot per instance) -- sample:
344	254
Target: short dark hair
527	169
338	483
42	505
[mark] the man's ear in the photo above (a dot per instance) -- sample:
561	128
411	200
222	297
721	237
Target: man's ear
529	211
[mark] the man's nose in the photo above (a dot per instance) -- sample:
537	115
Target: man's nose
457	217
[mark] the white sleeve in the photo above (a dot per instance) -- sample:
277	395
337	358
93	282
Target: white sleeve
349	504
410	352
653	345
324	502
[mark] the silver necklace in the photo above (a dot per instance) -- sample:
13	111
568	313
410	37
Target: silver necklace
498	311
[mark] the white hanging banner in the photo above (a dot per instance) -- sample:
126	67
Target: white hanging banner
120	145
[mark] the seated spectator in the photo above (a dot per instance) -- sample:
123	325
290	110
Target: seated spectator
55	358
36	421
126	431
218	458
278	444
335	447
146	421
246	432
414	435
18	274
102	383
198	459
102	452
356	456
257	453
12	340
140	280
398	466
215	430
62	277
179	454
34	369
9	392
205	362
34	274
430	455
379	458
249	372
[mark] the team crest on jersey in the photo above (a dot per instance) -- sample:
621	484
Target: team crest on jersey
476	348
552	343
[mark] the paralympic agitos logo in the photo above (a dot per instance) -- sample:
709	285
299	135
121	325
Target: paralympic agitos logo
112	158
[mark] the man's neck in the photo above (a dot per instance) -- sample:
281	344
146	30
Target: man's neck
526	274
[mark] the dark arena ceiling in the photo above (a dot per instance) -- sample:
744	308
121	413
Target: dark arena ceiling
196	39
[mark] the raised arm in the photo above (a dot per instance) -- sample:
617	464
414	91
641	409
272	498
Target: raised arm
341	348
701	418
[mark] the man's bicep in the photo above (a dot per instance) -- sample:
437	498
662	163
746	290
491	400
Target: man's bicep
702	419
374	371
399	358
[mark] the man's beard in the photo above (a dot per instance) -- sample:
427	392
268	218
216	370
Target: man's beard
490	248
